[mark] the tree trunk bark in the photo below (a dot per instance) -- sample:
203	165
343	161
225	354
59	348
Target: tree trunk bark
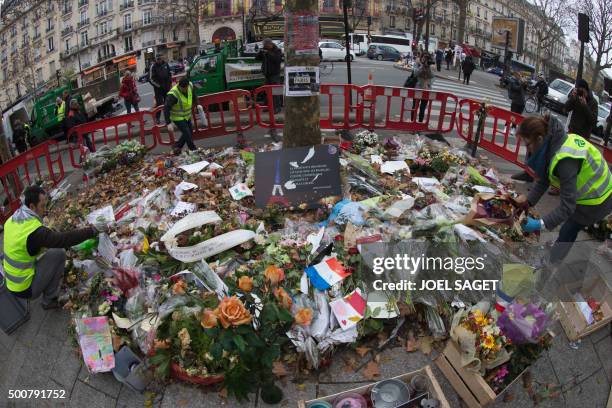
302	113
538	56
463	5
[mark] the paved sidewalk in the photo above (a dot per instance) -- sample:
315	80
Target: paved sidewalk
41	355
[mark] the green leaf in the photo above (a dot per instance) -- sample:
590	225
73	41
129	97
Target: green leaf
240	343
270	355
376	312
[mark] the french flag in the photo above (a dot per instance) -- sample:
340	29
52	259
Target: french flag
326	274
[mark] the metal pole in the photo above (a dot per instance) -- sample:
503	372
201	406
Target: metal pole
580	61
427	19
347	40
506	59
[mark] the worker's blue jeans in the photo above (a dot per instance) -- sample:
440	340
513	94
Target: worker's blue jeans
186	129
567	236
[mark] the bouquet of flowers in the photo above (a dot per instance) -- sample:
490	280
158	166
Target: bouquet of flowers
364	139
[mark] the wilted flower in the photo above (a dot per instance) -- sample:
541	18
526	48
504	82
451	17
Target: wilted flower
185	338
283	298
274	274
209	319
179	287
245	283
303	317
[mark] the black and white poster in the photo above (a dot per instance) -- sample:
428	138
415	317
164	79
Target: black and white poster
299	176
301	81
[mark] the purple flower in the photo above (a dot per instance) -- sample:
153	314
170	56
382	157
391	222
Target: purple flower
501	374
112	298
523	323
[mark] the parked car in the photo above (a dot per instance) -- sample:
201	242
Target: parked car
383	52
176	67
496	71
333	51
558	91
602	114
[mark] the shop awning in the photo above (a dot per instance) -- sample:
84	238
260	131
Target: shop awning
93	69
471	51
122	58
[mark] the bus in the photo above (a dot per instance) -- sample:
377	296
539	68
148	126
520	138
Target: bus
401	43
359	43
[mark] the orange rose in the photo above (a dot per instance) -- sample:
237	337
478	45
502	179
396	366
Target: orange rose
209	319
274	274
161	344
245	283
179	287
303	317
231	312
283	298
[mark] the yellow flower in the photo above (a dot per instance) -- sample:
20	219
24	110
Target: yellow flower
479	318
489	342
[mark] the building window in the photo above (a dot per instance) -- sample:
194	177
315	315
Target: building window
67	45
50	44
222	8
328	5
146	17
127	22
103	28
83	16
128	43
36	31
39	75
84	38
477	11
49	24
52	71
24	39
432	28
486	13
391	21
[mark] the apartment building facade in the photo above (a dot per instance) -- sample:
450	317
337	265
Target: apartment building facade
444	22
42	41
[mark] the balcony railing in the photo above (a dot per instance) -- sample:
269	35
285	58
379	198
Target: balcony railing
36	36
141	2
102	13
50	28
66	10
67	30
126	5
83	23
106	56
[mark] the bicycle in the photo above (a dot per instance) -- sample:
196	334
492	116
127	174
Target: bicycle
326	68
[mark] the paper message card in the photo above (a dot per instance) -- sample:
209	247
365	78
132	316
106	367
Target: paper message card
96	343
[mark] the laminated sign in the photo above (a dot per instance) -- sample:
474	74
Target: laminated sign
300	176
301	81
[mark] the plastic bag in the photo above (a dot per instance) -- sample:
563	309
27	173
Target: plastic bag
106	249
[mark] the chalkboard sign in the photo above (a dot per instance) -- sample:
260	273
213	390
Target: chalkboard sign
299	176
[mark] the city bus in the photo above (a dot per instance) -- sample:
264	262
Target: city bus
401	43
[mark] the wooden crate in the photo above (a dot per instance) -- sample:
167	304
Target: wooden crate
435	390
470	386
572	320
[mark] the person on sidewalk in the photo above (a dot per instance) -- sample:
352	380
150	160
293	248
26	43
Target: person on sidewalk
468	67
178	110
160	76
129	92
582	108
572	164
271	58
424	80
516	94
448	57
439	57
541	90
74	118
19	137
34	255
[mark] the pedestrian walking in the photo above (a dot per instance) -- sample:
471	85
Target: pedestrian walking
439	57
19	137
460	66
160	76
467	67
573	165
424	80
271	58
448	57
541	90
178	111
457	56
129	92
74	118
582	108
34	255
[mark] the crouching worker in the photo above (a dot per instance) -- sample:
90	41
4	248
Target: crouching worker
572	164
34	255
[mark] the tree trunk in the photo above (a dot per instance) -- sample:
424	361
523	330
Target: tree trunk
538	57
463	5
302	113
596	70
5	151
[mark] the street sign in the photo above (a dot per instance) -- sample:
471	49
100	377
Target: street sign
301	81
516	27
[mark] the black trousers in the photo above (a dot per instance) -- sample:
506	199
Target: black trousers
422	104
466	78
160	98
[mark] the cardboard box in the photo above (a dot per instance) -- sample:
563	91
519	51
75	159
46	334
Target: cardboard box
572	320
435	390
470	386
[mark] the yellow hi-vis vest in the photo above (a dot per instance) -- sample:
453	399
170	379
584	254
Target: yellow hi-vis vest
594	180
18	263
181	110
61	111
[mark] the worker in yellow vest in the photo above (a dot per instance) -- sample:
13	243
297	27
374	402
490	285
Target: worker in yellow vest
178	111
577	168
34	255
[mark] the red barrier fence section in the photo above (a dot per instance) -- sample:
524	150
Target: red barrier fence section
113	131
496	135
341	106
381	102
24	169
264	99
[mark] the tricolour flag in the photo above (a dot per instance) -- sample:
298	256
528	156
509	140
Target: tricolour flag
326	274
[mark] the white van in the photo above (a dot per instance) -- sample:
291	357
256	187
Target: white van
359	43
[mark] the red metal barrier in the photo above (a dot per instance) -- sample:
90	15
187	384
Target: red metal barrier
350	100
439	115
263	102
111	130
226	112
24	169
496	135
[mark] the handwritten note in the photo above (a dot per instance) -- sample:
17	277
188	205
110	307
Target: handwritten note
96	343
194	168
183	207
239	191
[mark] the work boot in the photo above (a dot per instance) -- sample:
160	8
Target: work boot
522	176
54	304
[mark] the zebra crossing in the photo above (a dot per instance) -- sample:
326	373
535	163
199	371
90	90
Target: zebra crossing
493	96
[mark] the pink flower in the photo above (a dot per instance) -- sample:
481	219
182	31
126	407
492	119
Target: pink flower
112	298
156	278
